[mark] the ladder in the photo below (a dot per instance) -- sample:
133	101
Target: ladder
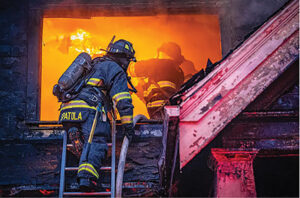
63	169
116	188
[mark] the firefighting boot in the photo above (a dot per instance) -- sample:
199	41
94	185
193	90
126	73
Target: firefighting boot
76	138
89	185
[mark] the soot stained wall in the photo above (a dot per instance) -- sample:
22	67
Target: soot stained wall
238	18
13	67
19	44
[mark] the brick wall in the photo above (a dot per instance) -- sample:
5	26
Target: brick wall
13	67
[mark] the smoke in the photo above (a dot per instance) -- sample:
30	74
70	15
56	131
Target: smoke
254	12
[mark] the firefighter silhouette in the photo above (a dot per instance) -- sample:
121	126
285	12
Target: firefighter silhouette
161	77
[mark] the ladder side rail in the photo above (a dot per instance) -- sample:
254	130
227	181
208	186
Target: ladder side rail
113	161
113	153
63	165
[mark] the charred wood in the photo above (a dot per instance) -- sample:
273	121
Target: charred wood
35	162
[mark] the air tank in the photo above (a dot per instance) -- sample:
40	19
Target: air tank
80	65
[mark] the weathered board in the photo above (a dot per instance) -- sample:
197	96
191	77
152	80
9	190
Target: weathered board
212	103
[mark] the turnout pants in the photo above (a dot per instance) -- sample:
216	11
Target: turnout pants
91	160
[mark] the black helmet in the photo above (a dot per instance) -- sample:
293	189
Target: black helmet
122	47
173	50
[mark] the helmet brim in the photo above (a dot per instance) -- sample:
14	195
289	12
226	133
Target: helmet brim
133	59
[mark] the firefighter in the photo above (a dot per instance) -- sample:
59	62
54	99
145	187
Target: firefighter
173	51
106	85
162	77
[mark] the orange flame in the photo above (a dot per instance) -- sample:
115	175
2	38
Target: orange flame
64	38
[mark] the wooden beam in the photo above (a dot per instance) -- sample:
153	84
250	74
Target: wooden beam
212	103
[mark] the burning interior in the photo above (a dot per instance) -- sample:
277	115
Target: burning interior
64	38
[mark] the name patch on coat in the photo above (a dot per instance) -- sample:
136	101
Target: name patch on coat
71	116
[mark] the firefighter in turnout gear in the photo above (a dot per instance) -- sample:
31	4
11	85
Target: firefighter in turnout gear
107	84
173	51
160	78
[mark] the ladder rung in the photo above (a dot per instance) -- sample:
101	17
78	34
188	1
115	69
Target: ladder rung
87	193
107	168
70	145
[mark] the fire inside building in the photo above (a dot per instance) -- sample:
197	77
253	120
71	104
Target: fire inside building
229	127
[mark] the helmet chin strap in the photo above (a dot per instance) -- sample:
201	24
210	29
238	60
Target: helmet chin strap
124	63
131	85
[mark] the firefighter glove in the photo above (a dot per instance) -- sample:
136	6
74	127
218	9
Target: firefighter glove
129	132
